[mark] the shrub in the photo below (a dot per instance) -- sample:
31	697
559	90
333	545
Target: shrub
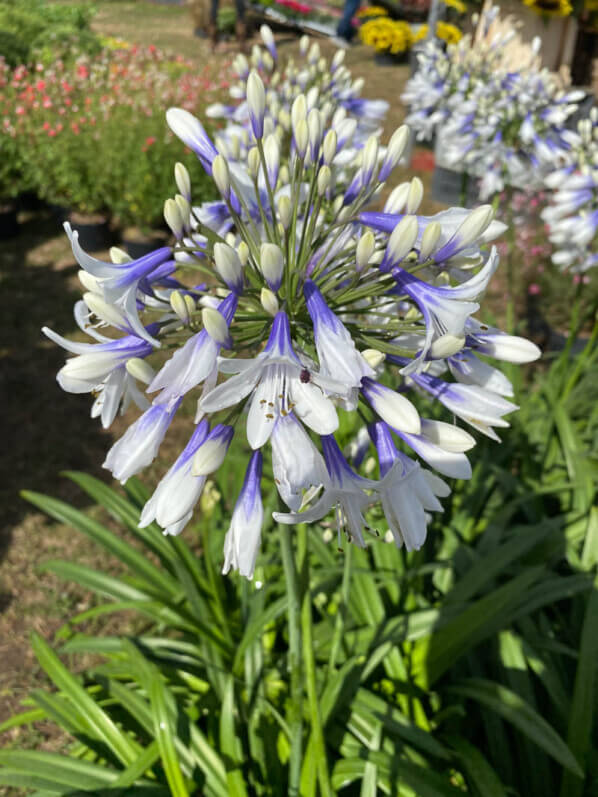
55	29
88	133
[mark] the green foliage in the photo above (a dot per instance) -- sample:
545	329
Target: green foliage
30	28
468	667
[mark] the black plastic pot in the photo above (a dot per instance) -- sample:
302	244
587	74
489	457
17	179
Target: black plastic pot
9	225
388	59
30	201
94	231
454	188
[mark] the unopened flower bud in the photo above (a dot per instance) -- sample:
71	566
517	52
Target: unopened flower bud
285	210
182	180
365	249
298	110
243	252
301	138
241	66
397	199
253	162
373	357
179	306
272	265
314	125
329	147
415	195
430	238
185	211
474	225
191	304
272	158
268	39
140	370
172	216
215	325
118	256
221	175
324	177
269	301
394	151
370	159
311	98
284	119
313	55
229	266
104	310
358	85
303	44
402	239
256	103
337	60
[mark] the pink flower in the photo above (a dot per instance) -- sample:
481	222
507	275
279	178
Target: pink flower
19	110
534	289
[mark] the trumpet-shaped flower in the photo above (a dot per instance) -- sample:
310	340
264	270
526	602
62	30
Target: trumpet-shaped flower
280	385
406	491
242	541
345	490
172	503
138	447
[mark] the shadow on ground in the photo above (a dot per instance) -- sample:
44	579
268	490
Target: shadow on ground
45	430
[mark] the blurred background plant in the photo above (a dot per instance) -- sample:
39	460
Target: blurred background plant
90	134
34	29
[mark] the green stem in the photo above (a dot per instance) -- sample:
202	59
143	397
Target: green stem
295	713
342	611
317	733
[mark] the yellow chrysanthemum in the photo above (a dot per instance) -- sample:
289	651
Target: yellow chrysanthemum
550	8
385	34
459	6
372	11
444	30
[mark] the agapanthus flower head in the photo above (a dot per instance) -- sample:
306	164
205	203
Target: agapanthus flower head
311	304
495	110
572	215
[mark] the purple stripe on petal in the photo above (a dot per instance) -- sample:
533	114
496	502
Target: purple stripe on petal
250	493
387	451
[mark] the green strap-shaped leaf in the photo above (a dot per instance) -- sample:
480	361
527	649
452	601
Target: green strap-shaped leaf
58	769
434	654
100	724
512	708
123	511
156	581
230	744
583	707
165	735
477	770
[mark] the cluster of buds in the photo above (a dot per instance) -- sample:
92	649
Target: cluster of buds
572	215
312	305
497	112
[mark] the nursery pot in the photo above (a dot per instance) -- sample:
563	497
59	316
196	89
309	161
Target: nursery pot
388	59
454	188
93	228
9	226
30	201
139	242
